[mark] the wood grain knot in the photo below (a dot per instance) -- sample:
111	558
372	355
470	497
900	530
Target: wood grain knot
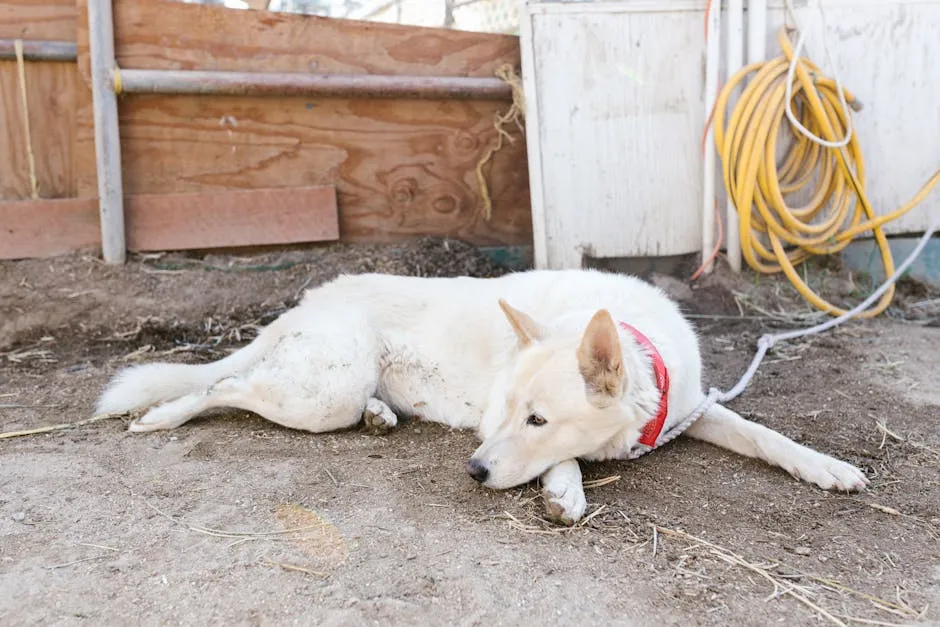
465	143
445	204
404	191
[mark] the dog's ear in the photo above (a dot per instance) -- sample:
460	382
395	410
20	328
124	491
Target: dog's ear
600	359
527	329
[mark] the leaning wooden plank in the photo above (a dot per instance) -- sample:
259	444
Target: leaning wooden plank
224	219
46	228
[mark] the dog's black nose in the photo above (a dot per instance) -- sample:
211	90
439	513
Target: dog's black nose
477	470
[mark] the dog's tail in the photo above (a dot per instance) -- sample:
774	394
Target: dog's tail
143	386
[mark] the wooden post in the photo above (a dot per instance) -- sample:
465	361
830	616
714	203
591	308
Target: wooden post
712	59
733	62
107	135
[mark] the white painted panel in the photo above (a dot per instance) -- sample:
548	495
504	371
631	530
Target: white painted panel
619	111
614	161
888	54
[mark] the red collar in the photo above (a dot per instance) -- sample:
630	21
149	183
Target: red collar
654	427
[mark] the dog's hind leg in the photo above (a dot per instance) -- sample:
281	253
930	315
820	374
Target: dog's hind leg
229	392
378	417
318	378
338	411
722	427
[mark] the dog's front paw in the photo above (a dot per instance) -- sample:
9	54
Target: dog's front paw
378	417
831	474
566	507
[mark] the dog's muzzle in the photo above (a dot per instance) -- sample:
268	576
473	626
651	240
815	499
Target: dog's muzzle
477	470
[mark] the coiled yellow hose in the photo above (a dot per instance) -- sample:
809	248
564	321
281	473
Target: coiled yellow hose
747	146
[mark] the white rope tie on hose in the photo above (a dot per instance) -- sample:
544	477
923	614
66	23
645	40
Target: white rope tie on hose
791	72
767	341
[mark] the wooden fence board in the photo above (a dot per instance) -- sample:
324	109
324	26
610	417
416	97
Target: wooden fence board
173	221
37	19
44	228
158	34
227	219
50	89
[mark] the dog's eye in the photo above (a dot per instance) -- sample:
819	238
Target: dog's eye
535	420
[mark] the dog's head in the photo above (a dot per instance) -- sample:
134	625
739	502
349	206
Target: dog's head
564	399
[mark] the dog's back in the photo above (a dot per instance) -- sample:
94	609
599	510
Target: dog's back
450	332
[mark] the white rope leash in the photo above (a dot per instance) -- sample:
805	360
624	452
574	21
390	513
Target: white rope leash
768	340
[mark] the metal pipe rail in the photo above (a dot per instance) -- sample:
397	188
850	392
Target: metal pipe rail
39	50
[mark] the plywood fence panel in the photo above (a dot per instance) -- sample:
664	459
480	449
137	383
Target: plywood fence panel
158	34
50	90
402	168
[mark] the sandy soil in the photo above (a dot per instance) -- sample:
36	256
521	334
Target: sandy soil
195	526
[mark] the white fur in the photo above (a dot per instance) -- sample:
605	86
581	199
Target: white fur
373	346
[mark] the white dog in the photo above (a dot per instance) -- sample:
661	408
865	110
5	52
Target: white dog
604	362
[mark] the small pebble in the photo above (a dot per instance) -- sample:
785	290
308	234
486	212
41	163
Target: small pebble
19	516
802	550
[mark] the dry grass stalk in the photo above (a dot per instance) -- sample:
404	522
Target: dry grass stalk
926	524
867	621
546	527
224	533
79	561
745	301
888	433
597	483
784	585
32	354
59	427
295	568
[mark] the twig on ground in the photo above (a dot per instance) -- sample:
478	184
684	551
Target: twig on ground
59	427
332	478
22	406
72	563
224	533
784	584
886	433
926	524
293	567
596	483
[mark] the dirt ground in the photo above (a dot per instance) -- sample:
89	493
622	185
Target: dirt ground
233	520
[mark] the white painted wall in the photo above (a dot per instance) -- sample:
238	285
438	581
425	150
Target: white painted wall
615	114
